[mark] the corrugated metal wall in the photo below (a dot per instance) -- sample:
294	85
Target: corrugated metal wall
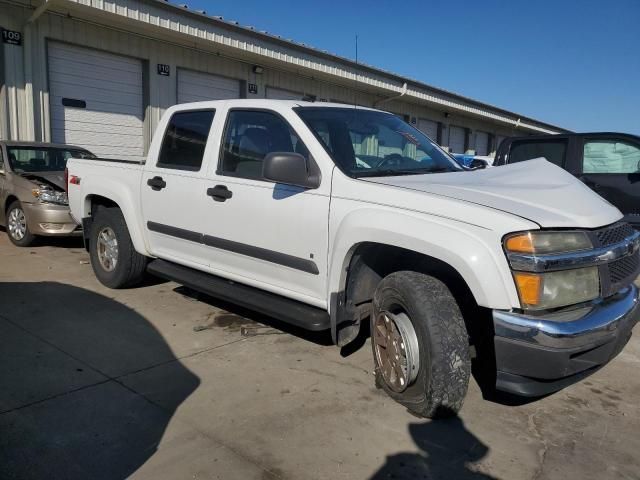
27	92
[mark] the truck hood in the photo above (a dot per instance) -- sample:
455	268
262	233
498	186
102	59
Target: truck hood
536	190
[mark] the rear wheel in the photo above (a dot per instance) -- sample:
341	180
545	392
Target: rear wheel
113	257
17	228
420	344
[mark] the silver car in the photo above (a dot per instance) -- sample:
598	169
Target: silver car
33	198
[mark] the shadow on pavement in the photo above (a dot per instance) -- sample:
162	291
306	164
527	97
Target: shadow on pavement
64	411
447	450
246	317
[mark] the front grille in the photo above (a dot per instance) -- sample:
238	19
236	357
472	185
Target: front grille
613	234
621	269
619	273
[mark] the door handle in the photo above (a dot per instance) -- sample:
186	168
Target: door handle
156	183
219	193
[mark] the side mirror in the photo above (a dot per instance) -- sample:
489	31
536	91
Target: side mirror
291	169
477	164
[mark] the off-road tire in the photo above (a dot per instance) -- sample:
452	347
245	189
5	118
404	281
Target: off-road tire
445	365
130	266
29	238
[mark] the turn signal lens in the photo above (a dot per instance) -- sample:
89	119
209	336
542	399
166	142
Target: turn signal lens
528	287
520	243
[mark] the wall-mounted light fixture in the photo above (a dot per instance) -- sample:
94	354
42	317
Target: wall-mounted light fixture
446	114
257	69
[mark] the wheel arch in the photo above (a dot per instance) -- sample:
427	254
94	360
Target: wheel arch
467	258
94	201
8	201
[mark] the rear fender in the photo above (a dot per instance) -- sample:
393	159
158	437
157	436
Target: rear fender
118	193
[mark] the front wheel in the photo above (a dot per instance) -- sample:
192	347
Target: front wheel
17	228
420	344
114	260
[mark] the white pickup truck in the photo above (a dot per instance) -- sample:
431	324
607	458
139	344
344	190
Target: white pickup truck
331	217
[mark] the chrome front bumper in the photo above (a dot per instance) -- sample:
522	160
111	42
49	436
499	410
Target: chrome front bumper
537	355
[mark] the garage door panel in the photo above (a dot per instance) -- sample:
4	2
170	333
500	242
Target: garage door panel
111	124
106	96
199	86
429	128
71	76
114	69
93	138
89	57
456	139
94	119
482	143
89	128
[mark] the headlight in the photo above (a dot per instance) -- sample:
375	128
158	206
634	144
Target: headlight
540	291
49	195
547	242
544	290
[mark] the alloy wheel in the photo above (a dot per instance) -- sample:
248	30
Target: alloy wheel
107	247
17	224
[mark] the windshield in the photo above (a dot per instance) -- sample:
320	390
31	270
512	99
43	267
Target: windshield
366	143
43	159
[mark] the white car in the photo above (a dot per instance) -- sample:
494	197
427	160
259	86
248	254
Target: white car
328	217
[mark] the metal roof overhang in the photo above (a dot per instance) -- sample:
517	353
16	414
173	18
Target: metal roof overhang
163	21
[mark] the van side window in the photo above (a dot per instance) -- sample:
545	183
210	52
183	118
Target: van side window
185	139
1	161
554	151
250	136
610	156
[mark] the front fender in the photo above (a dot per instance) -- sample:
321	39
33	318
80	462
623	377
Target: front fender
473	251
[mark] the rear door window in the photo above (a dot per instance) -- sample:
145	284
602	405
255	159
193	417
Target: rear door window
610	156
185	140
555	151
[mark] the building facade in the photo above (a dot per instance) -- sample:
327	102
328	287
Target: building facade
100	74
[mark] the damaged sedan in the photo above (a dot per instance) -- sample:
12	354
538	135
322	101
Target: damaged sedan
33	197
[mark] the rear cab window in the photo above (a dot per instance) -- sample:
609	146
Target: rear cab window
610	156
555	151
185	140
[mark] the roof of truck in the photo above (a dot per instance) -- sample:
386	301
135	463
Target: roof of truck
265	103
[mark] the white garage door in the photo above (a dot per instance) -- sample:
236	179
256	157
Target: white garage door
456	139
482	143
96	101
198	87
429	128
281	94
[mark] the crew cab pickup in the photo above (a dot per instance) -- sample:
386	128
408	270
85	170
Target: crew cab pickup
608	163
331	217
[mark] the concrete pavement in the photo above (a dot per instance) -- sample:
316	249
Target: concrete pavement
152	383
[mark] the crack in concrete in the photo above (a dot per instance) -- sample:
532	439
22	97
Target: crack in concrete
542	452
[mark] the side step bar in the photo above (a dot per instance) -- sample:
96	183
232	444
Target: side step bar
281	308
